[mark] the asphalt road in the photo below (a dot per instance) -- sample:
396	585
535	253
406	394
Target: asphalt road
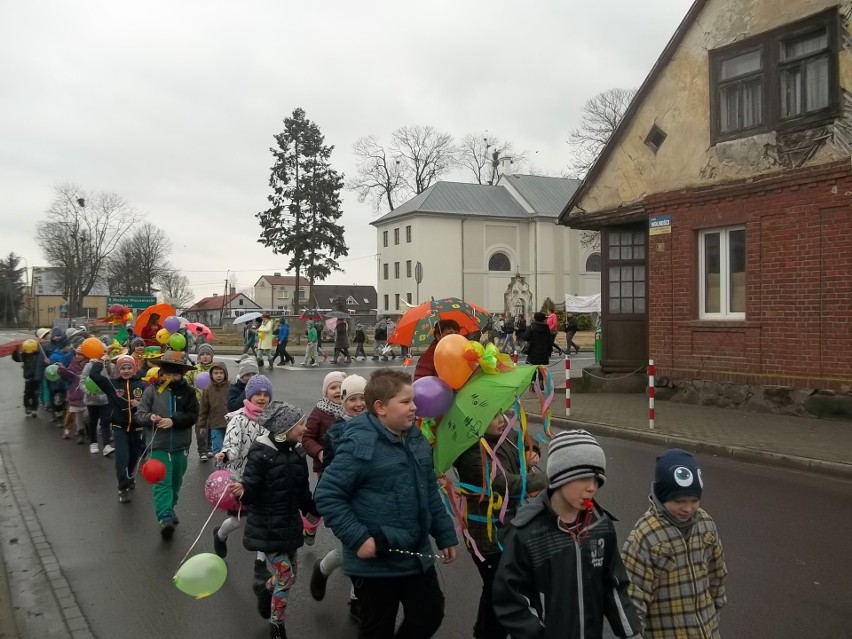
785	535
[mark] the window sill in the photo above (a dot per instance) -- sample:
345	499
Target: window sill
720	324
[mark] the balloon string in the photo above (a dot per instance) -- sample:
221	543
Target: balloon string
144	452
204	527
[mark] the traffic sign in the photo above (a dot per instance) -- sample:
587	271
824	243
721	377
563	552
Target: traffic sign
133	301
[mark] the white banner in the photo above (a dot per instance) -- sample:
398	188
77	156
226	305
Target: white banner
583	303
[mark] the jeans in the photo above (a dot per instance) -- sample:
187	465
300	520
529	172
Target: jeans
99	425
31	390
217	439
422	604
359	350
281	352
569	339
166	492
487	626
128	449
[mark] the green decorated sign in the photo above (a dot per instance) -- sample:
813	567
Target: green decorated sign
133	301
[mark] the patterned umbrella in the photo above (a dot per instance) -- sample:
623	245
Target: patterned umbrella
417	325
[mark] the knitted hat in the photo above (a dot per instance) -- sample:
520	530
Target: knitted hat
333	376
206	348
539	317
246	365
136	342
279	417
574	454
352	385
257	384
677	475
125	360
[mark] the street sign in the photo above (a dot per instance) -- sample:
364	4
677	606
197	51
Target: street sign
418	272
660	225
133	301
63	308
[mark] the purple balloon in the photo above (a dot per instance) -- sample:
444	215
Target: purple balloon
171	324
202	380
432	396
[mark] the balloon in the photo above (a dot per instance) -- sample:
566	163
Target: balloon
171	324
216	490
154	471
92	347
163	336
152	374
177	342
116	309
29	346
201	575
432	396
450	362
90	385
202	380
51	373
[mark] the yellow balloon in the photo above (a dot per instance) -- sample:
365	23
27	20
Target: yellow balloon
163	336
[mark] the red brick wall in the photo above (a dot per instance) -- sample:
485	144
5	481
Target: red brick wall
798	326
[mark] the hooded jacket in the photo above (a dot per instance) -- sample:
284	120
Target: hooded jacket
317	426
275	489
540	343
241	433
236	395
120	393
178	402
214	400
549	585
283	332
677	581
383	485
32	363
71	375
265	334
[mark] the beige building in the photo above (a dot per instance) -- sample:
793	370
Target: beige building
47	304
497	246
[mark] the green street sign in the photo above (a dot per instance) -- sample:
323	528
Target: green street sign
133	301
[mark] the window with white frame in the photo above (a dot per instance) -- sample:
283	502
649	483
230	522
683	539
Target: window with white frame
722	273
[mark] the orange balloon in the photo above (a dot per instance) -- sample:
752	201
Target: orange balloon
92	347
450	362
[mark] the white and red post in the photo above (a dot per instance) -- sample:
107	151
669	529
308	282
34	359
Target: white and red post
567	386
651	387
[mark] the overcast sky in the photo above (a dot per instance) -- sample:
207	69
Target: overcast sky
173	105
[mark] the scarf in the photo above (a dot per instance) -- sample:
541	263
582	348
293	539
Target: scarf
685	527
328	406
251	411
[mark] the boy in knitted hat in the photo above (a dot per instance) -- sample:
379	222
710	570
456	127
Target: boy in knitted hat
674	556
205	361
246	367
561	573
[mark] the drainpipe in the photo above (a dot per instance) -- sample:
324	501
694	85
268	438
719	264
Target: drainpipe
535	268
462	257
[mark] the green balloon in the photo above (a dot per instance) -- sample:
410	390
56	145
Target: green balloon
177	342
201	575
51	373
90	385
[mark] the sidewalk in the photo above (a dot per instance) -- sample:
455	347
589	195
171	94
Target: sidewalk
816	445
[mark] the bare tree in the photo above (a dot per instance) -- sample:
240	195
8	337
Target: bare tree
482	155
140	260
425	155
601	115
379	178
79	235
175	288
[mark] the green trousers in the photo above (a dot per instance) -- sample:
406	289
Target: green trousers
166	492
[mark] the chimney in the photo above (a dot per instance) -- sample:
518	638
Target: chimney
215	294
233	290
505	166
277	274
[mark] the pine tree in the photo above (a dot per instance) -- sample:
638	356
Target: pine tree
301	221
11	289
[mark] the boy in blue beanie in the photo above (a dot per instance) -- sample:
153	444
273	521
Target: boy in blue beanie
674	556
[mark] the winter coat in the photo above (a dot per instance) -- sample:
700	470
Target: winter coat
316	428
677	584
381	334
426	362
341	336
149	334
520	327
265	334
71	375
283	332
540	343
469	469
214	401
313	335
93	399
552	322
571	324
241	433
548	585
250	336
59	356
236	395
120	392
359	338
32	363
383	485
332	440
178	402
275	489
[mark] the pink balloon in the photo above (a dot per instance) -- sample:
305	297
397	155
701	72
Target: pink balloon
432	396
202	380
216	490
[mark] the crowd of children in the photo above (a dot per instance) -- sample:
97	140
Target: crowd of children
550	567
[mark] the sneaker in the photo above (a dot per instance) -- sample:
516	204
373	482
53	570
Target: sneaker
132	485
202	457
264	599
261	572
167	528
318	583
124	496
310	537
109	449
32	413
277	631
175	518
355	610
314	364
93	448
220	546
66	434
303	363
81	437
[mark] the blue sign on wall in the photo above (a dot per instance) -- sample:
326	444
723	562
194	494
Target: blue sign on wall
659	225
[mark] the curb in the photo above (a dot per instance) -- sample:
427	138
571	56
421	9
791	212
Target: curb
740	453
41	598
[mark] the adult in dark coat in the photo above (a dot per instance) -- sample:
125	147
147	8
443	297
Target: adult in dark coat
341	341
539	341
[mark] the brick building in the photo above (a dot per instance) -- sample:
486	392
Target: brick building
724	201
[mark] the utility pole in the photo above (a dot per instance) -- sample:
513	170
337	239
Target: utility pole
224	295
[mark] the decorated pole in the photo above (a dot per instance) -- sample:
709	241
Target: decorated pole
651	394
567	387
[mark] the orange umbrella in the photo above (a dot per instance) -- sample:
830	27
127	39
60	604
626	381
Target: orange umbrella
163	310
416	326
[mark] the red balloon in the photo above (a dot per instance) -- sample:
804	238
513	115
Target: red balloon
154	471
116	309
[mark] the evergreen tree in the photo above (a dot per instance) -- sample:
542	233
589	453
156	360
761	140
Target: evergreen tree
11	289
301	221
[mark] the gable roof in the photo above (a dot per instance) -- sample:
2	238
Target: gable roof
282	280
633	107
545	195
217	302
460	198
325	293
